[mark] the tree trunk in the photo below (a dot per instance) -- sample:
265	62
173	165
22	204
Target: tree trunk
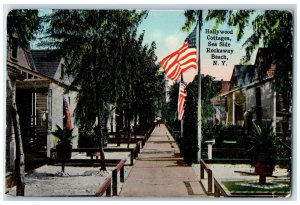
262	179
135	124
102	156
128	132
100	134
19	161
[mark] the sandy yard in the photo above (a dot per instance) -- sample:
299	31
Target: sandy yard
228	172
78	181
244	174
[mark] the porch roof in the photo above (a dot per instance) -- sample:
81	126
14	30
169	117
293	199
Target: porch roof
37	75
244	74
33	84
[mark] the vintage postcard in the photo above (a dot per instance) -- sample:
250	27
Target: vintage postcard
149	103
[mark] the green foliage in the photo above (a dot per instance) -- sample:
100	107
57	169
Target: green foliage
23	24
144	83
64	136
108	62
208	132
229	132
271	28
262	144
89	139
191	16
221	133
210	88
170	113
252	187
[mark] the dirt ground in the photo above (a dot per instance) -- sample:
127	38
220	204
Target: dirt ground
227	172
48	181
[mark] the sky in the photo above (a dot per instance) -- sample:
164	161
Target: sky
164	27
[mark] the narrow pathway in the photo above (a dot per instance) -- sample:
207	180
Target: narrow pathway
160	171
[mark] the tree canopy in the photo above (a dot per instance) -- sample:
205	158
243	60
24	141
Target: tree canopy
210	89
272	29
108	62
23	24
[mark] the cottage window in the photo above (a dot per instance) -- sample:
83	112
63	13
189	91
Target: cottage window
62	71
29	76
14	48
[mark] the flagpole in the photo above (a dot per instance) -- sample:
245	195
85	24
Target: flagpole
199	86
181	121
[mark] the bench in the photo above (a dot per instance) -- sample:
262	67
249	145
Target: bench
120	140
133	152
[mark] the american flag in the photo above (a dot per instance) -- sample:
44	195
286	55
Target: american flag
182	59
67	116
181	100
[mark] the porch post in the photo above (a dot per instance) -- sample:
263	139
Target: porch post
114	120
274	112
233	108
49	125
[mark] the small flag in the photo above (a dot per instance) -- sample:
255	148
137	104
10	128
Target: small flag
181	100
182	59
67	116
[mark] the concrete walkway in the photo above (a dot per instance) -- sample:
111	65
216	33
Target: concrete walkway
160	171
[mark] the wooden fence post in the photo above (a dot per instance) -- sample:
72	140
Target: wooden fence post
115	182
131	157
108	191
63	167
201	170
217	191
122	174
210	181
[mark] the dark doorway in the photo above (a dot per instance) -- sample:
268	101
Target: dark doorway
258	105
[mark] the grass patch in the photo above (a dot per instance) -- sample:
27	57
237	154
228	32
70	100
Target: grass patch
253	187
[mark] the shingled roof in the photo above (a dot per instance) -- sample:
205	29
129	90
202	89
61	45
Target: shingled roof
244	74
261	55
225	87
45	63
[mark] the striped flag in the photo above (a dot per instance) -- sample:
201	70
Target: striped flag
67	116
181	99
182	59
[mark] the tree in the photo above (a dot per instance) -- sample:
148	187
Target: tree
142	83
148	86
21	24
210	89
171	111
95	45
273	29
